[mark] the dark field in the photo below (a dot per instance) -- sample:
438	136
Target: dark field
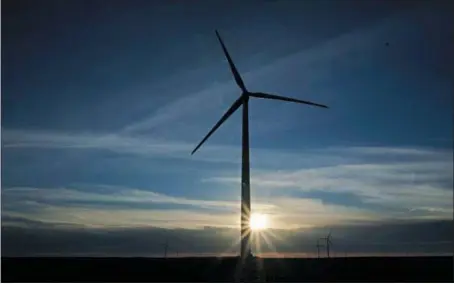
372	269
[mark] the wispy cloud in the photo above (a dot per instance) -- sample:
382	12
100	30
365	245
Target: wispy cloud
100	141
113	194
422	185
107	206
188	105
312	65
149	147
411	178
260	157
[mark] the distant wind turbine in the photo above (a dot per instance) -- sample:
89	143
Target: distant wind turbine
166	247
328	242
318	248
243	100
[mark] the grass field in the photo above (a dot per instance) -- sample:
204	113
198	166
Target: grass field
355	269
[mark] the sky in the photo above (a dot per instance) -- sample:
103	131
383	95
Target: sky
102	104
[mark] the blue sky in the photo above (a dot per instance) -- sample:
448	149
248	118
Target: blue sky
102	105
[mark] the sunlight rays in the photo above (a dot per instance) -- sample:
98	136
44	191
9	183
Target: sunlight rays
258	222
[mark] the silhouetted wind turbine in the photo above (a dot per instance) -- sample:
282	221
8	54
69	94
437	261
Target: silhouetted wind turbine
318	248
243	100
166	247
328	242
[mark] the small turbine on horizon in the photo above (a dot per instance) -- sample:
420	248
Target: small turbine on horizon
166	247
327	239
318	248
243	100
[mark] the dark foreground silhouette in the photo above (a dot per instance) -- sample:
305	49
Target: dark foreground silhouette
355	269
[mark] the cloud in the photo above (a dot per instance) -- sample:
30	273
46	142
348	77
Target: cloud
149	147
311	66
432	237
175	149
109	194
106	206
414	180
212	97
113	206
409	182
298	189
106	141
296	212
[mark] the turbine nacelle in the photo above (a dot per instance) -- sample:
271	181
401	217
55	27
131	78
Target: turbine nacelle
245	96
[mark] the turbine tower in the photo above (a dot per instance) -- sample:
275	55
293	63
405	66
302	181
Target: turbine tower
243	100
328	242
318	248
166	247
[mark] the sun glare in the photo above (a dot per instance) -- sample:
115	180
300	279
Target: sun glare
258	222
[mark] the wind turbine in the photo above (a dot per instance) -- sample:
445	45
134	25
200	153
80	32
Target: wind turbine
328	242
243	100
318	248
166	247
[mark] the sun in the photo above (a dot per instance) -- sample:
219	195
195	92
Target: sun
258	222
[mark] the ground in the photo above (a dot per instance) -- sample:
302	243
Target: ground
371	269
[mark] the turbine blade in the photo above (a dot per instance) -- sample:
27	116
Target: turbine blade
226	115
280	98
235	73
